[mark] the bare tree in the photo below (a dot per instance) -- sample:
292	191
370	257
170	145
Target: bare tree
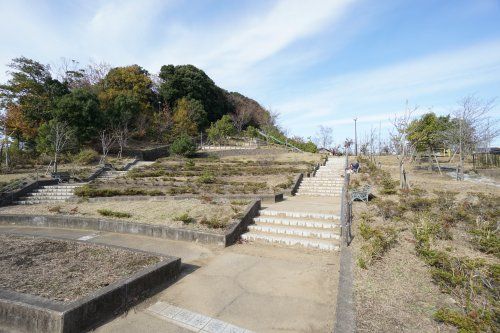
472	128
324	137
107	138
400	142
60	137
241	118
121	135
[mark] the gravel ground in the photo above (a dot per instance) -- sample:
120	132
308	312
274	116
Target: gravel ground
151	212
63	270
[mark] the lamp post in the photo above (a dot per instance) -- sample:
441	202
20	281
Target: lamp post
355	137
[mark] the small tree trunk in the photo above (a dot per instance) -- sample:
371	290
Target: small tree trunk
55	162
437	163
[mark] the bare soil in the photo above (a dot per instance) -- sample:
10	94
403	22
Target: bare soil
64	270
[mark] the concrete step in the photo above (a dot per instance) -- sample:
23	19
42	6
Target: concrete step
293	214
63	198
34	202
298	222
295	231
36	195
323	244
313	194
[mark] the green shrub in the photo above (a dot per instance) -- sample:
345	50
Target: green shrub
184	218
388	185
206	178
108	212
183	146
214	222
378	240
88	191
86	156
389	209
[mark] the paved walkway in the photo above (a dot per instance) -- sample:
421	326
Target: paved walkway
246	287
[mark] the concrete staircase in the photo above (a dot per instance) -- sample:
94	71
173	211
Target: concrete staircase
110	175
50	194
312	230
326	182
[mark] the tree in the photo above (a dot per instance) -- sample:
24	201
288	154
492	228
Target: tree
107	138
127	94
32	88
54	137
183	146
428	133
183	121
399	138
471	127
324	137
221	129
80	109
247	112
192	83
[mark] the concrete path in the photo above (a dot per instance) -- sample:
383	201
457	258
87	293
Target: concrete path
257	287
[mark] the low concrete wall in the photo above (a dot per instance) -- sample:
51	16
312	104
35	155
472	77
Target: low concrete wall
265	198
237	229
31	313
75	222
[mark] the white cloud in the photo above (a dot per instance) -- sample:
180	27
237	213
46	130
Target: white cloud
371	91
231	50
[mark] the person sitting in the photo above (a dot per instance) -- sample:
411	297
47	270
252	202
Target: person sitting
355	167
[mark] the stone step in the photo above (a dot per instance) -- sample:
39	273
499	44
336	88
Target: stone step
298	222
46	197
312	194
34	202
320	186
295	231
49	194
293	214
60	187
322	244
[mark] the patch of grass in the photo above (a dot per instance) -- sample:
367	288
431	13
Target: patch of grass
214	222
87	191
108	212
240	202
389	209
207	178
185	218
378	240
55	209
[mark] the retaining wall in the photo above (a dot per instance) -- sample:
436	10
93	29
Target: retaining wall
120	226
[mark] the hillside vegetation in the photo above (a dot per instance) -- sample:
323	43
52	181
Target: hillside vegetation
50	112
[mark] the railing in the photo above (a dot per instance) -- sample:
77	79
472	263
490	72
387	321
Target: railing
286	144
346	206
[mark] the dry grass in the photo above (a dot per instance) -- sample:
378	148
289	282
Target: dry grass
150	212
406	289
63	270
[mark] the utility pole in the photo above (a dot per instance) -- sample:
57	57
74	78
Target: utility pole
355	137
379	145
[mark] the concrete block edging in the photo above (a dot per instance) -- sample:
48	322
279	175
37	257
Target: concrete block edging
120	226
38	314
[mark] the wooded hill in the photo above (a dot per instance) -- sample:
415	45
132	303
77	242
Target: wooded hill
96	104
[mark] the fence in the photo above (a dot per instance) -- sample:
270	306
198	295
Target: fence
346	206
485	160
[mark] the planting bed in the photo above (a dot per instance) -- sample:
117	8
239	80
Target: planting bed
195	214
205	176
64	270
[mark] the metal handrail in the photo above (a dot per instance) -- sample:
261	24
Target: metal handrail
346	205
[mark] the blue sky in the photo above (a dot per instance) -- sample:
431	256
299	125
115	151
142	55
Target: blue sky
316	62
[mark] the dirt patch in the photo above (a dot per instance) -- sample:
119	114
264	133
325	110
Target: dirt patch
63	270
190	213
